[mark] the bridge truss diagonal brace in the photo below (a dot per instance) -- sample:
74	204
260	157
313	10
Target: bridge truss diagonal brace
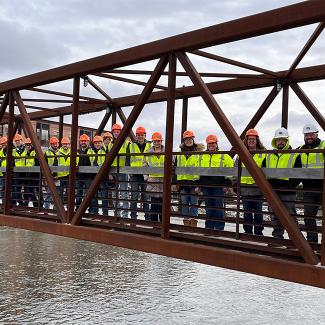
295	235
103	122
43	164
4	105
120	140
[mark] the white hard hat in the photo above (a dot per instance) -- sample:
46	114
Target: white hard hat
281	133
309	128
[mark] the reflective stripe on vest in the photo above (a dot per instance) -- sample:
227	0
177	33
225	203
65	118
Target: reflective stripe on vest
121	158
3	160
63	161
30	158
258	158
285	160
21	158
191	161
137	161
155	161
313	160
50	157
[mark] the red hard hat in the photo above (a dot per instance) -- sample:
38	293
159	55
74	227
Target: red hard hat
84	137
116	127
140	130
252	132
97	138
18	137
54	140
107	135
188	134
28	141
65	141
3	140
156	136
211	138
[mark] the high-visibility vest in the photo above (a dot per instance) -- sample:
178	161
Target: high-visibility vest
258	158
63	161
312	159
89	151
155	160
3	160
30	158
101	156
50	156
137	161
19	158
216	160
281	160
191	161
121	151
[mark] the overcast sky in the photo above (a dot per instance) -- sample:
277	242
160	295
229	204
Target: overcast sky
41	34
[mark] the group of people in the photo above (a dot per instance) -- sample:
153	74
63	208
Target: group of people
125	190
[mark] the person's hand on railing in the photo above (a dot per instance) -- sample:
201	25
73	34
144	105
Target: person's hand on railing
111	177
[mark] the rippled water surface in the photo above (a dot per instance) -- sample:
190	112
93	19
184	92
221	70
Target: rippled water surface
55	280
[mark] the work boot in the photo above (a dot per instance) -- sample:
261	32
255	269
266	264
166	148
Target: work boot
193	222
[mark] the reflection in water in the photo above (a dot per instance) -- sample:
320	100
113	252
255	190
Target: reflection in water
55	280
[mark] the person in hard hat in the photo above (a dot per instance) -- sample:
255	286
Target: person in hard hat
313	188
155	181
63	156
252	197
32	178
138	185
282	185
107	141
188	183
19	160
52	160
3	164
212	186
85	158
121	178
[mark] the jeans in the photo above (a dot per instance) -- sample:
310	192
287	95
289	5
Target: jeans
156	209
310	212
106	189
211	203
138	188
123	194
2	186
18	185
30	190
82	188
189	201
253	214
63	188
278	230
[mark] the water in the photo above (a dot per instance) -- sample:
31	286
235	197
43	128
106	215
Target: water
47	279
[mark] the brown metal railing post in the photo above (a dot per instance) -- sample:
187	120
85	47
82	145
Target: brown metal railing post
239	171
9	167
323	219
295	234
40	156
170	112
73	151
184	116
113	116
61	119
285	103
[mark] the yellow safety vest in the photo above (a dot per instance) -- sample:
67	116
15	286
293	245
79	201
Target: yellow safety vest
3	160
216	160
155	161
50	156
137	161
63	161
101	156
19	159
121	151
313	160
191	161
258	158
281	160
30	158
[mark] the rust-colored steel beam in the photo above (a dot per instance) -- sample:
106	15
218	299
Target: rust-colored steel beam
100	90
103	122
276	204
318	116
131	81
234	62
73	154
44	100
40	156
306	48
285	106
123	119
231	259
296	15
323	219
3	106
170	113
9	166
113	116
184	116
61	121
120	140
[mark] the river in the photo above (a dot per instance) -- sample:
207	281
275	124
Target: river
48	279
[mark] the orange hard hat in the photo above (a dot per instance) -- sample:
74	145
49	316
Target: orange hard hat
28	141
97	138
116	127
107	135
84	137
156	136
65	141
54	140
18	137
211	138
252	132
3	140
140	130
188	134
